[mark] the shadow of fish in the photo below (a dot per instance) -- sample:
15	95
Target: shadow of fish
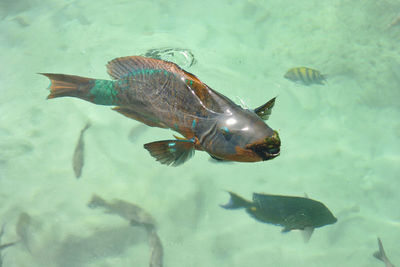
78	160
293	213
137	217
305	75
22	229
381	255
161	94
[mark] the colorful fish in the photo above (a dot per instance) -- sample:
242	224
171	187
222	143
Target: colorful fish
305	75
287	211
161	94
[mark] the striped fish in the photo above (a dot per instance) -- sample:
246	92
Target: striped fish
305	75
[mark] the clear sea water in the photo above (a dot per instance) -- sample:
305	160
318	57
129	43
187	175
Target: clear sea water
340	141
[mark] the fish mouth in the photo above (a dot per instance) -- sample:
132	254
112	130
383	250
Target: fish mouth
268	148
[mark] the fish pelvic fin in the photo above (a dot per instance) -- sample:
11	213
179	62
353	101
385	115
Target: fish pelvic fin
307	233
236	202
171	152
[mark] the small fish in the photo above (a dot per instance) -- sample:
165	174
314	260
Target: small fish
265	110
129	211
78	158
160	94
156	248
290	212
381	255
305	75
22	228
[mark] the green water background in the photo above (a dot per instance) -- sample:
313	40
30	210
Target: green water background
340	142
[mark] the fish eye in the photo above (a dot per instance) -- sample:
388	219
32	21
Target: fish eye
226	133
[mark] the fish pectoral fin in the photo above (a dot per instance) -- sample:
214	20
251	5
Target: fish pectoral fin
307	233
265	110
171	152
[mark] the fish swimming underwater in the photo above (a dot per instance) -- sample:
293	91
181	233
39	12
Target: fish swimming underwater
305	75
129	211
290	212
381	255
161	94
78	159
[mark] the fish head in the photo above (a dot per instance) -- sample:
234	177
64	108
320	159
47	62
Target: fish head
241	136
322	216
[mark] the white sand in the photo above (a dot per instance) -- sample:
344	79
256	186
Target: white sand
340	142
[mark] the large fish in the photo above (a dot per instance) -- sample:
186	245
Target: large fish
290	212
161	94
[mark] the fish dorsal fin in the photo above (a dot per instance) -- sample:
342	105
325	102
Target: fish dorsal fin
122	66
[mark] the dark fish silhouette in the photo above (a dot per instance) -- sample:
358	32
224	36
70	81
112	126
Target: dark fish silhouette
161	94
305	75
381	255
78	159
290	212
129	211
137	217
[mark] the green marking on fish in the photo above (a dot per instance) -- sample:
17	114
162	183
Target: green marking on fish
148	72
104	92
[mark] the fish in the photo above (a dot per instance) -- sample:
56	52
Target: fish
381	255
137	217
129	211
292	213
160	94
78	159
305	75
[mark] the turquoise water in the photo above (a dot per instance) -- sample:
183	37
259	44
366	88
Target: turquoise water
340	141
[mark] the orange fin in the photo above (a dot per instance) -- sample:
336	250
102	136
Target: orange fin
171	152
122	66
66	85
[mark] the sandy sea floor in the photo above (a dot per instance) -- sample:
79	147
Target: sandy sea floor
340	141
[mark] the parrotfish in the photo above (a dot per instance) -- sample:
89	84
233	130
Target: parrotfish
290	212
305	76
161	94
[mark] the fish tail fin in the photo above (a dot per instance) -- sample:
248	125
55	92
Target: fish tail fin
236	202
101	92
96	201
380	254
67	85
